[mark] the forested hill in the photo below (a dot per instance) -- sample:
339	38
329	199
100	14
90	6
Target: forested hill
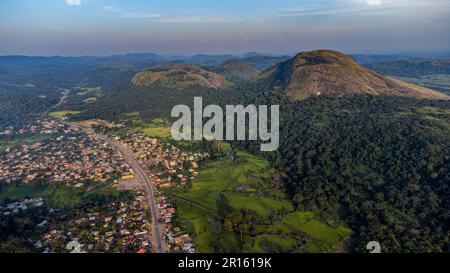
381	164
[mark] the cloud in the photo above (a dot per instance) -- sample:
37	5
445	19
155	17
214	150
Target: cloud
172	19
361	7
374	2
198	19
130	14
73	2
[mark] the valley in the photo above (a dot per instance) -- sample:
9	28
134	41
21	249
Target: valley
363	155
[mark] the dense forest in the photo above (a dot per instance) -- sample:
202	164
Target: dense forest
29	86
150	102
381	164
17	105
32	85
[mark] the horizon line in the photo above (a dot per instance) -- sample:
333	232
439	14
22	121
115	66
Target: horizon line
447	51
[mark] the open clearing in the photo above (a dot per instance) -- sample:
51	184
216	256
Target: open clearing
161	132
157	128
439	82
5	144
59	196
62	114
89	91
325	237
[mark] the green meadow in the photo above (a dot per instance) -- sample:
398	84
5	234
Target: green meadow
324	236
440	82
60	196
247	183
62	114
161	132
244	182
90	100
272	243
158	128
90	91
4	144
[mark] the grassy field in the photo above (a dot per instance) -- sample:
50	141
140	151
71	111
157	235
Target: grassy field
195	221
89	91
244	183
90	100
158	128
260	204
155	128
62	114
434	111
272	243
440	82
59	196
162	132
325	237
22	140
436	115
247	184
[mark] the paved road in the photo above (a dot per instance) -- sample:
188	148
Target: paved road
159	244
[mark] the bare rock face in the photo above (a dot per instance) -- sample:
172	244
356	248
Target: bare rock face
331	73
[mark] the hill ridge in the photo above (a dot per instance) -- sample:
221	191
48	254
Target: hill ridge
179	76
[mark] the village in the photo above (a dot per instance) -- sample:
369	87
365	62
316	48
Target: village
118	226
73	157
167	166
68	156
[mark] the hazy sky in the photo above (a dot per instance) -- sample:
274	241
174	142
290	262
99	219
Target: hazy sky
102	27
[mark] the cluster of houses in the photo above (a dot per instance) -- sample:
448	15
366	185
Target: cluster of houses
176	239
37	126
69	158
169	166
112	227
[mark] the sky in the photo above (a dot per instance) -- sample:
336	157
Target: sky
187	27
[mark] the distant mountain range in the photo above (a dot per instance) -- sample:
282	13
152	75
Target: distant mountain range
409	56
314	73
257	60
